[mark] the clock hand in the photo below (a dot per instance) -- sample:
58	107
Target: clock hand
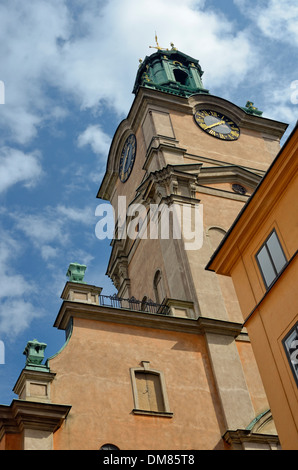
125	158
215	124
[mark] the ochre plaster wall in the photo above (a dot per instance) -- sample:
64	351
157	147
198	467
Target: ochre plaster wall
271	315
252	376
12	442
216	294
93	374
143	278
267	327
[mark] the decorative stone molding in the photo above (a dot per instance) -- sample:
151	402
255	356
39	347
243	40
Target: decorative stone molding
36	421
243	439
165	412
81	293
200	325
171	181
181	308
34	385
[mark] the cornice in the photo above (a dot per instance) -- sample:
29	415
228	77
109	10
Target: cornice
220	163
36	415
25	414
242	436
243	119
228	173
200	326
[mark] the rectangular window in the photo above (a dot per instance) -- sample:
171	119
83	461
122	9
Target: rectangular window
149	392
291	347
271	259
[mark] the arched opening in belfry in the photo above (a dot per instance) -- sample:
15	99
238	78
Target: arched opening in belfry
181	76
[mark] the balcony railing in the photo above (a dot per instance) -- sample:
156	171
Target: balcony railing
147	306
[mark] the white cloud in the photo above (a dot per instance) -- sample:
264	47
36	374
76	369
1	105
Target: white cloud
108	72
279	103
277	19
16	312
96	138
18	167
48	252
41	228
83	216
53	231
11	284
16	315
28	33
89	51
100	142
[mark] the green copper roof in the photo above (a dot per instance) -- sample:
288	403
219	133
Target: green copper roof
170	71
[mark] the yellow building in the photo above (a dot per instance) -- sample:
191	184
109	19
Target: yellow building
260	254
165	364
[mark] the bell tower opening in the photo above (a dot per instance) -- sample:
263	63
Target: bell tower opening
181	77
170	71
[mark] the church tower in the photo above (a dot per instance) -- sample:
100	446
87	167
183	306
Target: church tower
188	149
201	157
166	363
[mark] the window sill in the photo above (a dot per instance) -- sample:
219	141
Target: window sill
161	414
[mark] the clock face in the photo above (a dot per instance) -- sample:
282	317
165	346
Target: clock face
217	124
127	158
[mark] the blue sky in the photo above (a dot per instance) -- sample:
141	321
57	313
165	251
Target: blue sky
68	68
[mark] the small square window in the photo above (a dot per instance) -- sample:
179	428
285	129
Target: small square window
271	259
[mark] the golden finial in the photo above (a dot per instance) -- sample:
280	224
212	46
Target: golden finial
157	45
162	48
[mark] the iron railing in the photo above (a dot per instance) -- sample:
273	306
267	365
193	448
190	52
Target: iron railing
147	306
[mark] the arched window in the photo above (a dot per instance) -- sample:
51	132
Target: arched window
144	305
215	235
158	287
181	76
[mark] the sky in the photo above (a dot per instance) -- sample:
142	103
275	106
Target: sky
67	72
